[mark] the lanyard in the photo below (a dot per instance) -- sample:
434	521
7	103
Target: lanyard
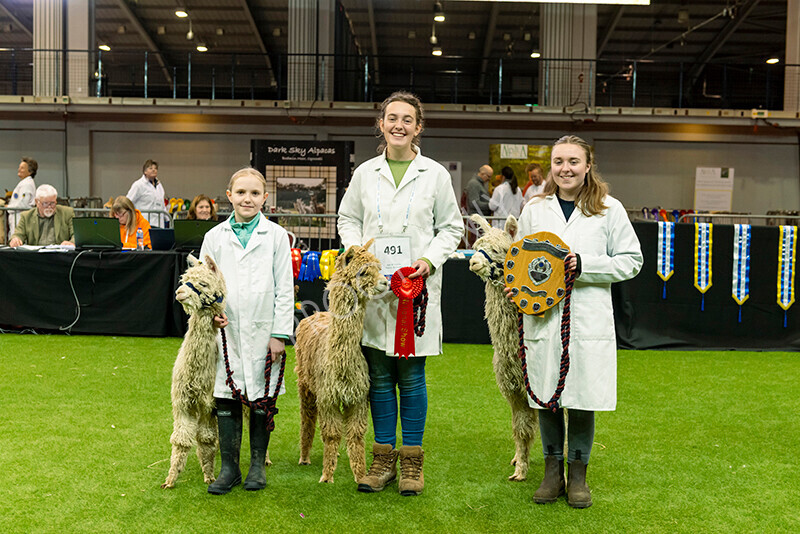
408	208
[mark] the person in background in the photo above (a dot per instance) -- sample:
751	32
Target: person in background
147	194
47	224
506	199
24	193
406	202
130	221
536	182
604	249
478	192
202	209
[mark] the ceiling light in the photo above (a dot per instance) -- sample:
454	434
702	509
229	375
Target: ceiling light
437	51
506	36
190	33
773	60
434	40
438	12
161	30
104	48
121	29
535	54
412	34
526	36
181	13
471	36
201	47
220	31
276	32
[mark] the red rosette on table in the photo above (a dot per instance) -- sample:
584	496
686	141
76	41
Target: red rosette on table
406	290
297	261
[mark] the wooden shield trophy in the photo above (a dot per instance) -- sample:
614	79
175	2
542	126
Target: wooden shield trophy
534	270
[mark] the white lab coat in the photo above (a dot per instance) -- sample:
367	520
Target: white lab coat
259	302
610	252
24	196
434	225
504	203
532	191
145	196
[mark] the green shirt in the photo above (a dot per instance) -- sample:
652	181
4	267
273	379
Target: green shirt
243	230
398	169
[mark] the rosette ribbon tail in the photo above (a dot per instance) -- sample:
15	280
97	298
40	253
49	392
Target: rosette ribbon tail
406	290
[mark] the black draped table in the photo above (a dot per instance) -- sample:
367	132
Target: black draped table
132	293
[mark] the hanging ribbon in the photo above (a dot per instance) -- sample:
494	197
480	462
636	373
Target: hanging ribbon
702	259
297	261
786	262
741	264
406	290
327	264
309	271
666	253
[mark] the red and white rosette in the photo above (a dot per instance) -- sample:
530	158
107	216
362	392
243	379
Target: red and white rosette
406	290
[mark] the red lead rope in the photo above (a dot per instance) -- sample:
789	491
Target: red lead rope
552	404
266	402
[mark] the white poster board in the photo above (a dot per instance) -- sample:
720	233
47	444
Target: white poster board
454	168
713	189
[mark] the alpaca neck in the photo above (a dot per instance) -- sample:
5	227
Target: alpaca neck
201	325
347	318
500	323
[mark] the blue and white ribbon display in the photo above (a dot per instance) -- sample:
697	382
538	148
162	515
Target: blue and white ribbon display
787	253
666	253
309	270
741	264
702	259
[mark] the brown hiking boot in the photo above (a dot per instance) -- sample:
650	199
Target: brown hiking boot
552	485
578	495
382	471
412	480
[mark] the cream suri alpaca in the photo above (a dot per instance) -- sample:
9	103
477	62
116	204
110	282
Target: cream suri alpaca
332	374
501	314
202	295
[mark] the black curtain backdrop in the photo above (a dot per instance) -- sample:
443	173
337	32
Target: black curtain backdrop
129	293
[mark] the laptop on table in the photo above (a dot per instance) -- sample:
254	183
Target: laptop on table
189	233
162	238
101	233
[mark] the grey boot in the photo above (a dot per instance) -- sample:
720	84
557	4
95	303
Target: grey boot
229	421
259	441
552	485
578	495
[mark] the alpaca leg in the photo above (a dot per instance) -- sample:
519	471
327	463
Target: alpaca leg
355	417
330	426
207	446
525	420
182	439
308	422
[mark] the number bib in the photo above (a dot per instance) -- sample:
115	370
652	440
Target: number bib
394	252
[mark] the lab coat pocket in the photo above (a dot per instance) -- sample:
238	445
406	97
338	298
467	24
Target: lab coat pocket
593	317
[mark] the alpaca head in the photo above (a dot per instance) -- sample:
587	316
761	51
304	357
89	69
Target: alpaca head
491	248
359	269
202	287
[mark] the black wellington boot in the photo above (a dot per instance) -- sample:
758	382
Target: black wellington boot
259	441
229	420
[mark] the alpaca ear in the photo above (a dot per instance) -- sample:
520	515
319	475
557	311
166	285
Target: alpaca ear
511	226
481	222
191	260
343	259
369	243
211	265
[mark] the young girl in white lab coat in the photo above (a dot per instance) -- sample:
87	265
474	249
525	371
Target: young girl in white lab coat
605	249
407	203
253	254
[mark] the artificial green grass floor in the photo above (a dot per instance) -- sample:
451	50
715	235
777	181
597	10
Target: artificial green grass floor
700	442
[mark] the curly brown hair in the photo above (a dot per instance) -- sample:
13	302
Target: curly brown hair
408	98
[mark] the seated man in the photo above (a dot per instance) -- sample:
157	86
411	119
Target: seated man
46	224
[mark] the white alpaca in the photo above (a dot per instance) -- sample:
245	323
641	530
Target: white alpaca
202	295
332	374
501	315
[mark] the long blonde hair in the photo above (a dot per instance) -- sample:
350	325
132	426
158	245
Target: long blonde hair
594	190
123	203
